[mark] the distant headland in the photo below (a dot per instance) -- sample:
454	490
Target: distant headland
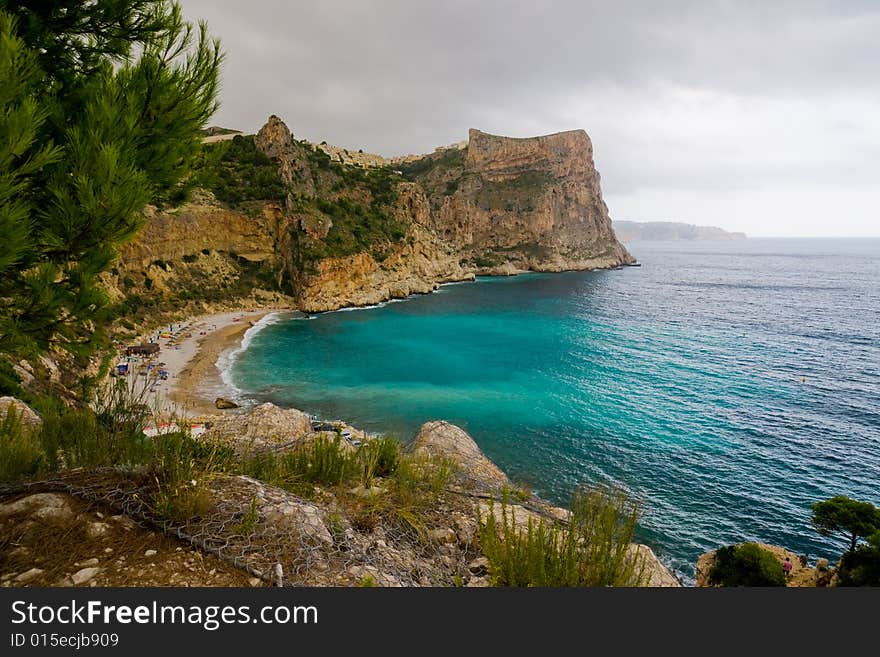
632	231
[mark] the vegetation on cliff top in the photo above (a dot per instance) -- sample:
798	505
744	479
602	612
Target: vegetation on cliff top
842	515
747	564
235	171
100	110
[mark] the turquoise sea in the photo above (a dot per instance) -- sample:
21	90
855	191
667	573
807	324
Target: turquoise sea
728	384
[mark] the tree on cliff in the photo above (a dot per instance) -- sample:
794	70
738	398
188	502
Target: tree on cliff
100	109
846	516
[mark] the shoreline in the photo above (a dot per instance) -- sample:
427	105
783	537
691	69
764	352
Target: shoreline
190	356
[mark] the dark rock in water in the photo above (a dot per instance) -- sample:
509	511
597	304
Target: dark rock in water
223	403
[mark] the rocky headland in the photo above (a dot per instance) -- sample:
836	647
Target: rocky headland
331	228
632	231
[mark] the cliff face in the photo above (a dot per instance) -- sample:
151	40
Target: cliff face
341	231
532	203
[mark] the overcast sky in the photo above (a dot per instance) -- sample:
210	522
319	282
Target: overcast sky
762	117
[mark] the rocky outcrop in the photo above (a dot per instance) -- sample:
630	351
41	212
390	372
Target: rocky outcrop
445	440
25	413
418	266
493	205
801	575
533	203
276	141
264	426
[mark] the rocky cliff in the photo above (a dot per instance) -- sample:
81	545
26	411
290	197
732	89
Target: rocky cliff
510	204
332	228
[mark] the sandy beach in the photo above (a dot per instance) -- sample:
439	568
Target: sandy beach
190	357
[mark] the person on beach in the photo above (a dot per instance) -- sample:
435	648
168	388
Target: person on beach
786	566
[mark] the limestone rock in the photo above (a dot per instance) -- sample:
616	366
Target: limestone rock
263	426
442	535
655	573
28	575
523	204
478	583
28	416
222	403
96	529
275	140
84	575
439	438
39	506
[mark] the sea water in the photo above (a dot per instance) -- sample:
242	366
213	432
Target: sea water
729	385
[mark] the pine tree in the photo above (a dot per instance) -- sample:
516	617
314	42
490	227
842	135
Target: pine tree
100	109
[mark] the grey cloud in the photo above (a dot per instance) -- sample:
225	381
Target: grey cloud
398	76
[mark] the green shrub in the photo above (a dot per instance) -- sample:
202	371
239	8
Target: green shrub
593	549
862	566
747	564
9	379
236	172
21	456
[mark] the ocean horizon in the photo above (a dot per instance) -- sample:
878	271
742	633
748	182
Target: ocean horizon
728	385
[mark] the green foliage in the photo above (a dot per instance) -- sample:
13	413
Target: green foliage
382	455
593	549
236	172
862	567
100	108
448	159
21	455
747	564
842	515
368	582
9	380
487	260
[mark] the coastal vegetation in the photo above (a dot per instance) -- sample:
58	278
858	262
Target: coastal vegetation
100	112
236	172
842	515
747	564
591	549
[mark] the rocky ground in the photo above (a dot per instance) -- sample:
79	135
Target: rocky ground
55	539
340	536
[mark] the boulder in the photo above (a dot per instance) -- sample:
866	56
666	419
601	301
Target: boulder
222	403
28	416
40	506
28	575
655	573
266	425
445	440
85	575
442	535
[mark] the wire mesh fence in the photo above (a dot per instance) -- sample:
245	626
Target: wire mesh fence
287	540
